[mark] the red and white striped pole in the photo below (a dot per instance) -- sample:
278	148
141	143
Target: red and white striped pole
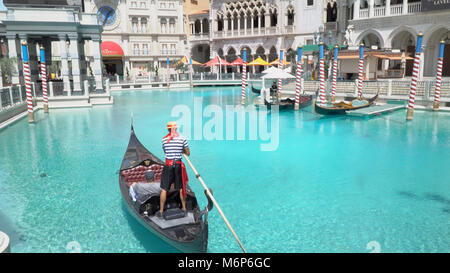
27	76
335	68
440	64
322	98
361	70
44	80
298	85
244	76
415	75
280	81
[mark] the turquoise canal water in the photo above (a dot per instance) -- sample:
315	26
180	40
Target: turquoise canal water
334	184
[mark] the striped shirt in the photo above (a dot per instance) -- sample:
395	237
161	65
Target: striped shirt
174	148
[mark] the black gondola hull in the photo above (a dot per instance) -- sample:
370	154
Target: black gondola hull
190	238
334	110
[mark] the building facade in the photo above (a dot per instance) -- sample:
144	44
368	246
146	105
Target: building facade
395	24
197	13
141	34
65	31
264	27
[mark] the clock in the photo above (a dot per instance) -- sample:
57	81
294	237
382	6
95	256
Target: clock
107	16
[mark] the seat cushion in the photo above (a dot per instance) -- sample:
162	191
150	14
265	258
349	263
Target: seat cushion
137	174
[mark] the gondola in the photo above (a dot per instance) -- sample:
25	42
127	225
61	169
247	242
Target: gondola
186	233
256	91
342	107
288	103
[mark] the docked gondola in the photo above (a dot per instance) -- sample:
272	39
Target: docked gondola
186	232
341	108
288	103
256	91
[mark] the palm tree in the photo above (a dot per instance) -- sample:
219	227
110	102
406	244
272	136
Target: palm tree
7	68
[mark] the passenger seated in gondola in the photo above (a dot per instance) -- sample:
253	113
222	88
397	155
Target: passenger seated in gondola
274	87
142	191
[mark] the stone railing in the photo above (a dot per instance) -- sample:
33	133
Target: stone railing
394	10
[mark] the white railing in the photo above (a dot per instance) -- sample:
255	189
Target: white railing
364	13
379	11
414	7
396	9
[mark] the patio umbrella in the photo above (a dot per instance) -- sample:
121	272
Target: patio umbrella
185	61
259	61
238	61
277	60
271	70
280	74
217	61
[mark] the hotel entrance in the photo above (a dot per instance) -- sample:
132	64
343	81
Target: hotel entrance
112	55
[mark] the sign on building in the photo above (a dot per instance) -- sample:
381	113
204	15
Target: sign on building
428	5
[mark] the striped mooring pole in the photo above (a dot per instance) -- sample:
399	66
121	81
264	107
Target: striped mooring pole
191	70
44	80
168	73
298	84
280	81
27	76
361	70
322	99
415	75
440	64
335	68
244	76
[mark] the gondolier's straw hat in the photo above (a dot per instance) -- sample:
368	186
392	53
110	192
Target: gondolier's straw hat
171	124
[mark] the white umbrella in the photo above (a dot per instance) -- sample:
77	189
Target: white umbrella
280	74
270	70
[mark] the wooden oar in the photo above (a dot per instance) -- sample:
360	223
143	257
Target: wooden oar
215	202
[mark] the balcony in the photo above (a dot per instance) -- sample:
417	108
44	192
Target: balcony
255	32
199	37
394	10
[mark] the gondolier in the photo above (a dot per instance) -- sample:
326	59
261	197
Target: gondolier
174	172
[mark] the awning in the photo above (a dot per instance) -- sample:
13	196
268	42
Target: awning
394	57
111	49
217	62
350	57
306	48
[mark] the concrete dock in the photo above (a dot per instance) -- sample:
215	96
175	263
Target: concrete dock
375	110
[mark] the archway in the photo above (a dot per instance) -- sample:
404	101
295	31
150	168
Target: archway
405	42
432	39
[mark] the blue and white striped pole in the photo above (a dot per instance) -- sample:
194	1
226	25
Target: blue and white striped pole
168	73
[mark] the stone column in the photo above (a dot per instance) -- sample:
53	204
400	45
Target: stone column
98	73
245	25
259	23
75	57
252	26
356	7
225	26
139	26
232	25
83	64
371	6
405	7
33	61
388	8
64	64
12	53
239	26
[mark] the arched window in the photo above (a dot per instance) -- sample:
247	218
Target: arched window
144	25
163	25
172	25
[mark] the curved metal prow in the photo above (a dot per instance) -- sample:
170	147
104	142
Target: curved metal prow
210	202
